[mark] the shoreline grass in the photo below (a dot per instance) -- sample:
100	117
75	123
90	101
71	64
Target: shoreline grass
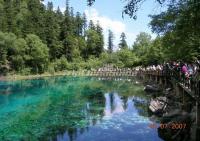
12	77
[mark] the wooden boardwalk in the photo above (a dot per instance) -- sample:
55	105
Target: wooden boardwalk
191	87
187	89
106	71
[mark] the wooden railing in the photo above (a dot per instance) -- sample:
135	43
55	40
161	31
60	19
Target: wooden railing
184	87
190	84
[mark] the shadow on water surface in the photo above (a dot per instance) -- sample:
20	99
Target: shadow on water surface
68	109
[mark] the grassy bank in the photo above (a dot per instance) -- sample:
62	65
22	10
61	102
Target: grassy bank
68	73
11	77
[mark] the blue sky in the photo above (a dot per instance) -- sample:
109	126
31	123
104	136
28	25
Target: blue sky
108	12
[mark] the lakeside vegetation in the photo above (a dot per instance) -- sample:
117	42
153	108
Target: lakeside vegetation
35	39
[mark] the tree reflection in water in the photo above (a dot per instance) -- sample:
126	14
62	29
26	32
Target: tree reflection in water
72	108
114	105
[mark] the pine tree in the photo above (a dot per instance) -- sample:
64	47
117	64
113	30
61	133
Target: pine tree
100	43
67	8
110	41
66	26
58	52
67	32
9	14
59	15
35	21
52	31
123	44
84	24
91	25
92	42
71	12
79	25
3	53
2	16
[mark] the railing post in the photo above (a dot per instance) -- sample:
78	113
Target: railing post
177	90
165	81
198	114
197	121
183	99
197	94
156	76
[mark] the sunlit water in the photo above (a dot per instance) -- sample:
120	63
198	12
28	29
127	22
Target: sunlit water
74	109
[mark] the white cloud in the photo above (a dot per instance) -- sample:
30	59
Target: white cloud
106	23
62	9
131	37
117	27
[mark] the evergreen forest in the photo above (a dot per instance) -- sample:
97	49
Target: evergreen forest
35	38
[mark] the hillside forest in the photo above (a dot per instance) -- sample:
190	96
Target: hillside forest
35	38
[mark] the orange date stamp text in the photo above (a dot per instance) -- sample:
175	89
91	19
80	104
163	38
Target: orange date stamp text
171	125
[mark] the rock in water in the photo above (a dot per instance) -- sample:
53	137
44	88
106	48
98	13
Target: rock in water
177	128
158	105
136	82
172	114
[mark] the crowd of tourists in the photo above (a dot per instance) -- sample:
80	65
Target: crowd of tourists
182	71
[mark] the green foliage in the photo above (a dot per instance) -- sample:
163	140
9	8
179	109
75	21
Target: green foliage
141	46
19	53
143	41
60	64
6	46
154	53
18	57
180	30
110	41
26	71
52	32
165	21
123	44
148	51
100	42
122	58
127	57
132	6
38	53
94	42
93	63
34	38
3	53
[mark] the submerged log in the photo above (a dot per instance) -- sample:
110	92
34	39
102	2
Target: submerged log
152	88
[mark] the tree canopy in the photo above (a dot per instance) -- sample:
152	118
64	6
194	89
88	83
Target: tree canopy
123	43
179	30
35	38
110	41
131	7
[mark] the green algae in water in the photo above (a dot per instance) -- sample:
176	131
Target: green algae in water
73	108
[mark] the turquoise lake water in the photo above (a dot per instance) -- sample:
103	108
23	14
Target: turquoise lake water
74	109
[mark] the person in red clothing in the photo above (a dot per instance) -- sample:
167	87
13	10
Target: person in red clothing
186	76
184	70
